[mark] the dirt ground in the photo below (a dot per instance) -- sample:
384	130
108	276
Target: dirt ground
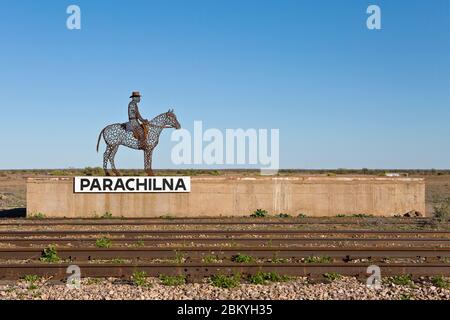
13	184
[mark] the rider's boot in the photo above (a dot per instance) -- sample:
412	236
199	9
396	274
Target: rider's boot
142	143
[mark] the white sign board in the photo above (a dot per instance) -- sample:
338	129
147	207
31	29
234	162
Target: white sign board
131	184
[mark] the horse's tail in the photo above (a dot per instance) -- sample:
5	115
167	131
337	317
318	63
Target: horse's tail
99	137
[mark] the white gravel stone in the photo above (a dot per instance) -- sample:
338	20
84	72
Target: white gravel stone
112	289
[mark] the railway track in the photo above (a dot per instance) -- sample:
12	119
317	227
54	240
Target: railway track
266	241
21	249
225	233
194	253
200	270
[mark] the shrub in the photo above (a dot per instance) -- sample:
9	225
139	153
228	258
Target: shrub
211	259
97	171
362	215
284	215
179	257
279	260
332	276
38	215
173	280
301	215
118	260
103	243
223	281
57	173
441	282
140	243
267	277
31	279
106	215
259	213
242	258
402	280
442	210
315	259
50	254
139	278
92	281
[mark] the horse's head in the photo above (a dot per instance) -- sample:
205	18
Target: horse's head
171	120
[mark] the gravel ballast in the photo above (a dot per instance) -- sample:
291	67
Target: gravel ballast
345	288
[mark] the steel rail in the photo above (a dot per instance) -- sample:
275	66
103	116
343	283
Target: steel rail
200	270
84	253
222	240
135	233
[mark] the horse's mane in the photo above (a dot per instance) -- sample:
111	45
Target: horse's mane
156	118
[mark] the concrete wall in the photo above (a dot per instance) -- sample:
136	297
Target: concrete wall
237	196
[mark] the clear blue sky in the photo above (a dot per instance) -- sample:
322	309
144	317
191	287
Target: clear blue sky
342	96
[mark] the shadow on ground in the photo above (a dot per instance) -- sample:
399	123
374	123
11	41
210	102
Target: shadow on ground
13	213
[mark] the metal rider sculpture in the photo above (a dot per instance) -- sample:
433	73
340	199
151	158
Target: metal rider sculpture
136	123
135	135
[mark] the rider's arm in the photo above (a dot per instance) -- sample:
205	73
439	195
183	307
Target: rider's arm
138	115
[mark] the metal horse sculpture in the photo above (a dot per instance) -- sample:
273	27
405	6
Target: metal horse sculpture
116	135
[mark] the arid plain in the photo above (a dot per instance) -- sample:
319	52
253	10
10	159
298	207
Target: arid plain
13	182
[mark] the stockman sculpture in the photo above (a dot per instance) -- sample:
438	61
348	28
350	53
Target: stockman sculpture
138	133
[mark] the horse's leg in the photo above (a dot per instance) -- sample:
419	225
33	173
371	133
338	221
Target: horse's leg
111	159
106	159
148	161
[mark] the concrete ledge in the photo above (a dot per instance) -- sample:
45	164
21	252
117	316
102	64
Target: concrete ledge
236	196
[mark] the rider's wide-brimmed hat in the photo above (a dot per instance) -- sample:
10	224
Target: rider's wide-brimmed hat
135	94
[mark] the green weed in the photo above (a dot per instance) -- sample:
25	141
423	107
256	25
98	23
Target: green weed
223	281
362	215
259	213
402	280
267	277
140	278
173	280
242	258
332	276
441	282
318	259
31	279
50	254
103	243
211	259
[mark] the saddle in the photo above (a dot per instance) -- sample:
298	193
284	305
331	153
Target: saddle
144	126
